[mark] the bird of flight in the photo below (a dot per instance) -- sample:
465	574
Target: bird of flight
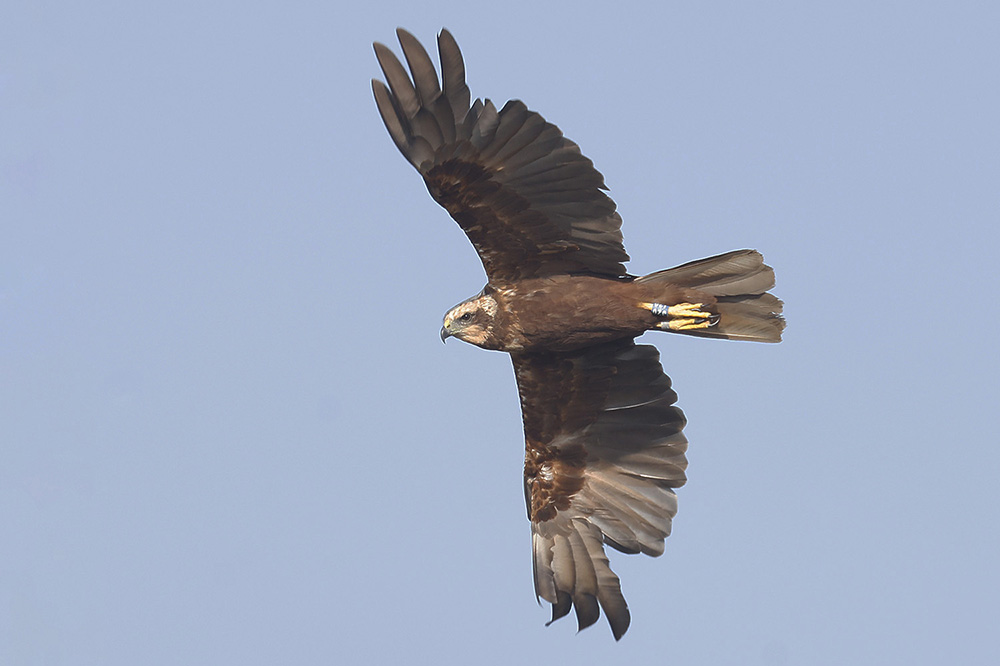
603	439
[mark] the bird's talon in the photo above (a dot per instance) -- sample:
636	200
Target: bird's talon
685	324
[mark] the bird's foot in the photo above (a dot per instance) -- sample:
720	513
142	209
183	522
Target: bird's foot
686	324
688	311
682	317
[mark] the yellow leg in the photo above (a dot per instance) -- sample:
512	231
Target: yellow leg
686	310
681	317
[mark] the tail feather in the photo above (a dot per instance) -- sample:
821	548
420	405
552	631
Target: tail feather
738	281
753	318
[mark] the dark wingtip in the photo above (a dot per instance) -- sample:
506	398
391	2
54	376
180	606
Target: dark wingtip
619	625
405	36
562	607
588	611
380	50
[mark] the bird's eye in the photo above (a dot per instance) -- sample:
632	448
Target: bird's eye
466	317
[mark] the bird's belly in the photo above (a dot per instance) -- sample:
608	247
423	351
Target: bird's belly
571	340
563	324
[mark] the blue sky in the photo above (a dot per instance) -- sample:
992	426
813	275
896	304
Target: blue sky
229	432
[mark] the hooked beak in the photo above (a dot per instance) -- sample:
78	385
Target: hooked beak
445	333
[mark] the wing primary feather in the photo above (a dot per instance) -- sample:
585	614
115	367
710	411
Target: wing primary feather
585	590
563	569
399	82
391	115
561	607
453	75
435	118
541	555
609	590
424	77
427	126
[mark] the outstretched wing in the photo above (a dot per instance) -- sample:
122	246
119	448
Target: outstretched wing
531	204
604	448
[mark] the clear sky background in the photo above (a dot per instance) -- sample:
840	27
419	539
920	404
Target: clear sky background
229	433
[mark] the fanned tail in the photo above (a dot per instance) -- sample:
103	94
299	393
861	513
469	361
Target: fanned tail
738	281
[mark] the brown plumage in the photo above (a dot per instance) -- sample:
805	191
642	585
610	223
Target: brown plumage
604	441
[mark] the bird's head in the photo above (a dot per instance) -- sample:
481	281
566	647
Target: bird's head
471	321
